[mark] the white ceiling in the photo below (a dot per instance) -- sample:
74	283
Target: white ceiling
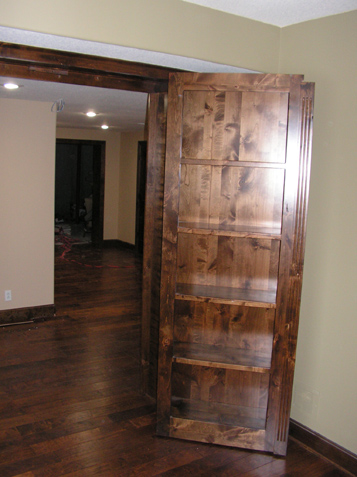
280	12
123	110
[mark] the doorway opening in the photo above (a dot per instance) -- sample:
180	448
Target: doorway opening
79	189
37	64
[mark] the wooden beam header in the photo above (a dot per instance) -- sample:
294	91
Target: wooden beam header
43	64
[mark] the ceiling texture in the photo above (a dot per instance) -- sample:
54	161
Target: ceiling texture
124	110
280	12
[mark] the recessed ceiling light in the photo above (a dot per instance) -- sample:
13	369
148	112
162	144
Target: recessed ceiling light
104	126
11	86
91	114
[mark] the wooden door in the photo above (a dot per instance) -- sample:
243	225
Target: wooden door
235	202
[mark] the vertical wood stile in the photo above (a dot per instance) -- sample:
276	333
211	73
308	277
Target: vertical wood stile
280	344
157	105
169	254
287	325
298	252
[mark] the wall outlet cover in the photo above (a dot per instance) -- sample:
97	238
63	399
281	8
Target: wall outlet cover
8	295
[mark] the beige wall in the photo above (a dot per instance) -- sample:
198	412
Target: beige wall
127	185
325	51
168	26
27	169
111	188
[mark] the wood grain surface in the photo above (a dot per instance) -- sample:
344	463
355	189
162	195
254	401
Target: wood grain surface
236	184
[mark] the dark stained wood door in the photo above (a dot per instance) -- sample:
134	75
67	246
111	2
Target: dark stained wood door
235	201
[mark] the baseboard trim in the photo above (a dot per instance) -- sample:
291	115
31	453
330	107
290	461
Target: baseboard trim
25	315
328	449
118	244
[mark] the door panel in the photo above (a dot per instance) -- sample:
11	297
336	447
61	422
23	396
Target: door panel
235	199
235	126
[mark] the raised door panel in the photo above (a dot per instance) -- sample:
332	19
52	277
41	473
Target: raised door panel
232	393
231	196
224	326
243	263
235	126
223	336
264	119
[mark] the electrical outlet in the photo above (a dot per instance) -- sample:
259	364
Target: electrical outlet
8	295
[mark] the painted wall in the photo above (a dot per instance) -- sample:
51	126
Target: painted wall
168	26
127	185
27	165
111	189
325	51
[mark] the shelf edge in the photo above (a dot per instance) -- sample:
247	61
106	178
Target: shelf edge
228	233
214	364
224	301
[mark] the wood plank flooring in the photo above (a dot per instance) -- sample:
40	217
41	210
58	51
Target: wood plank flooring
70	400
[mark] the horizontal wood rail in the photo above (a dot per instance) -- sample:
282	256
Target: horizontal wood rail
64	67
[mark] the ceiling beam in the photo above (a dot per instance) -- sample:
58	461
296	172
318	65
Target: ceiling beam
20	61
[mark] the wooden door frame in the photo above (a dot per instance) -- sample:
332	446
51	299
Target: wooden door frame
27	62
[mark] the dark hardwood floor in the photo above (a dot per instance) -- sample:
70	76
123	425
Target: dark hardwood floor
70	401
